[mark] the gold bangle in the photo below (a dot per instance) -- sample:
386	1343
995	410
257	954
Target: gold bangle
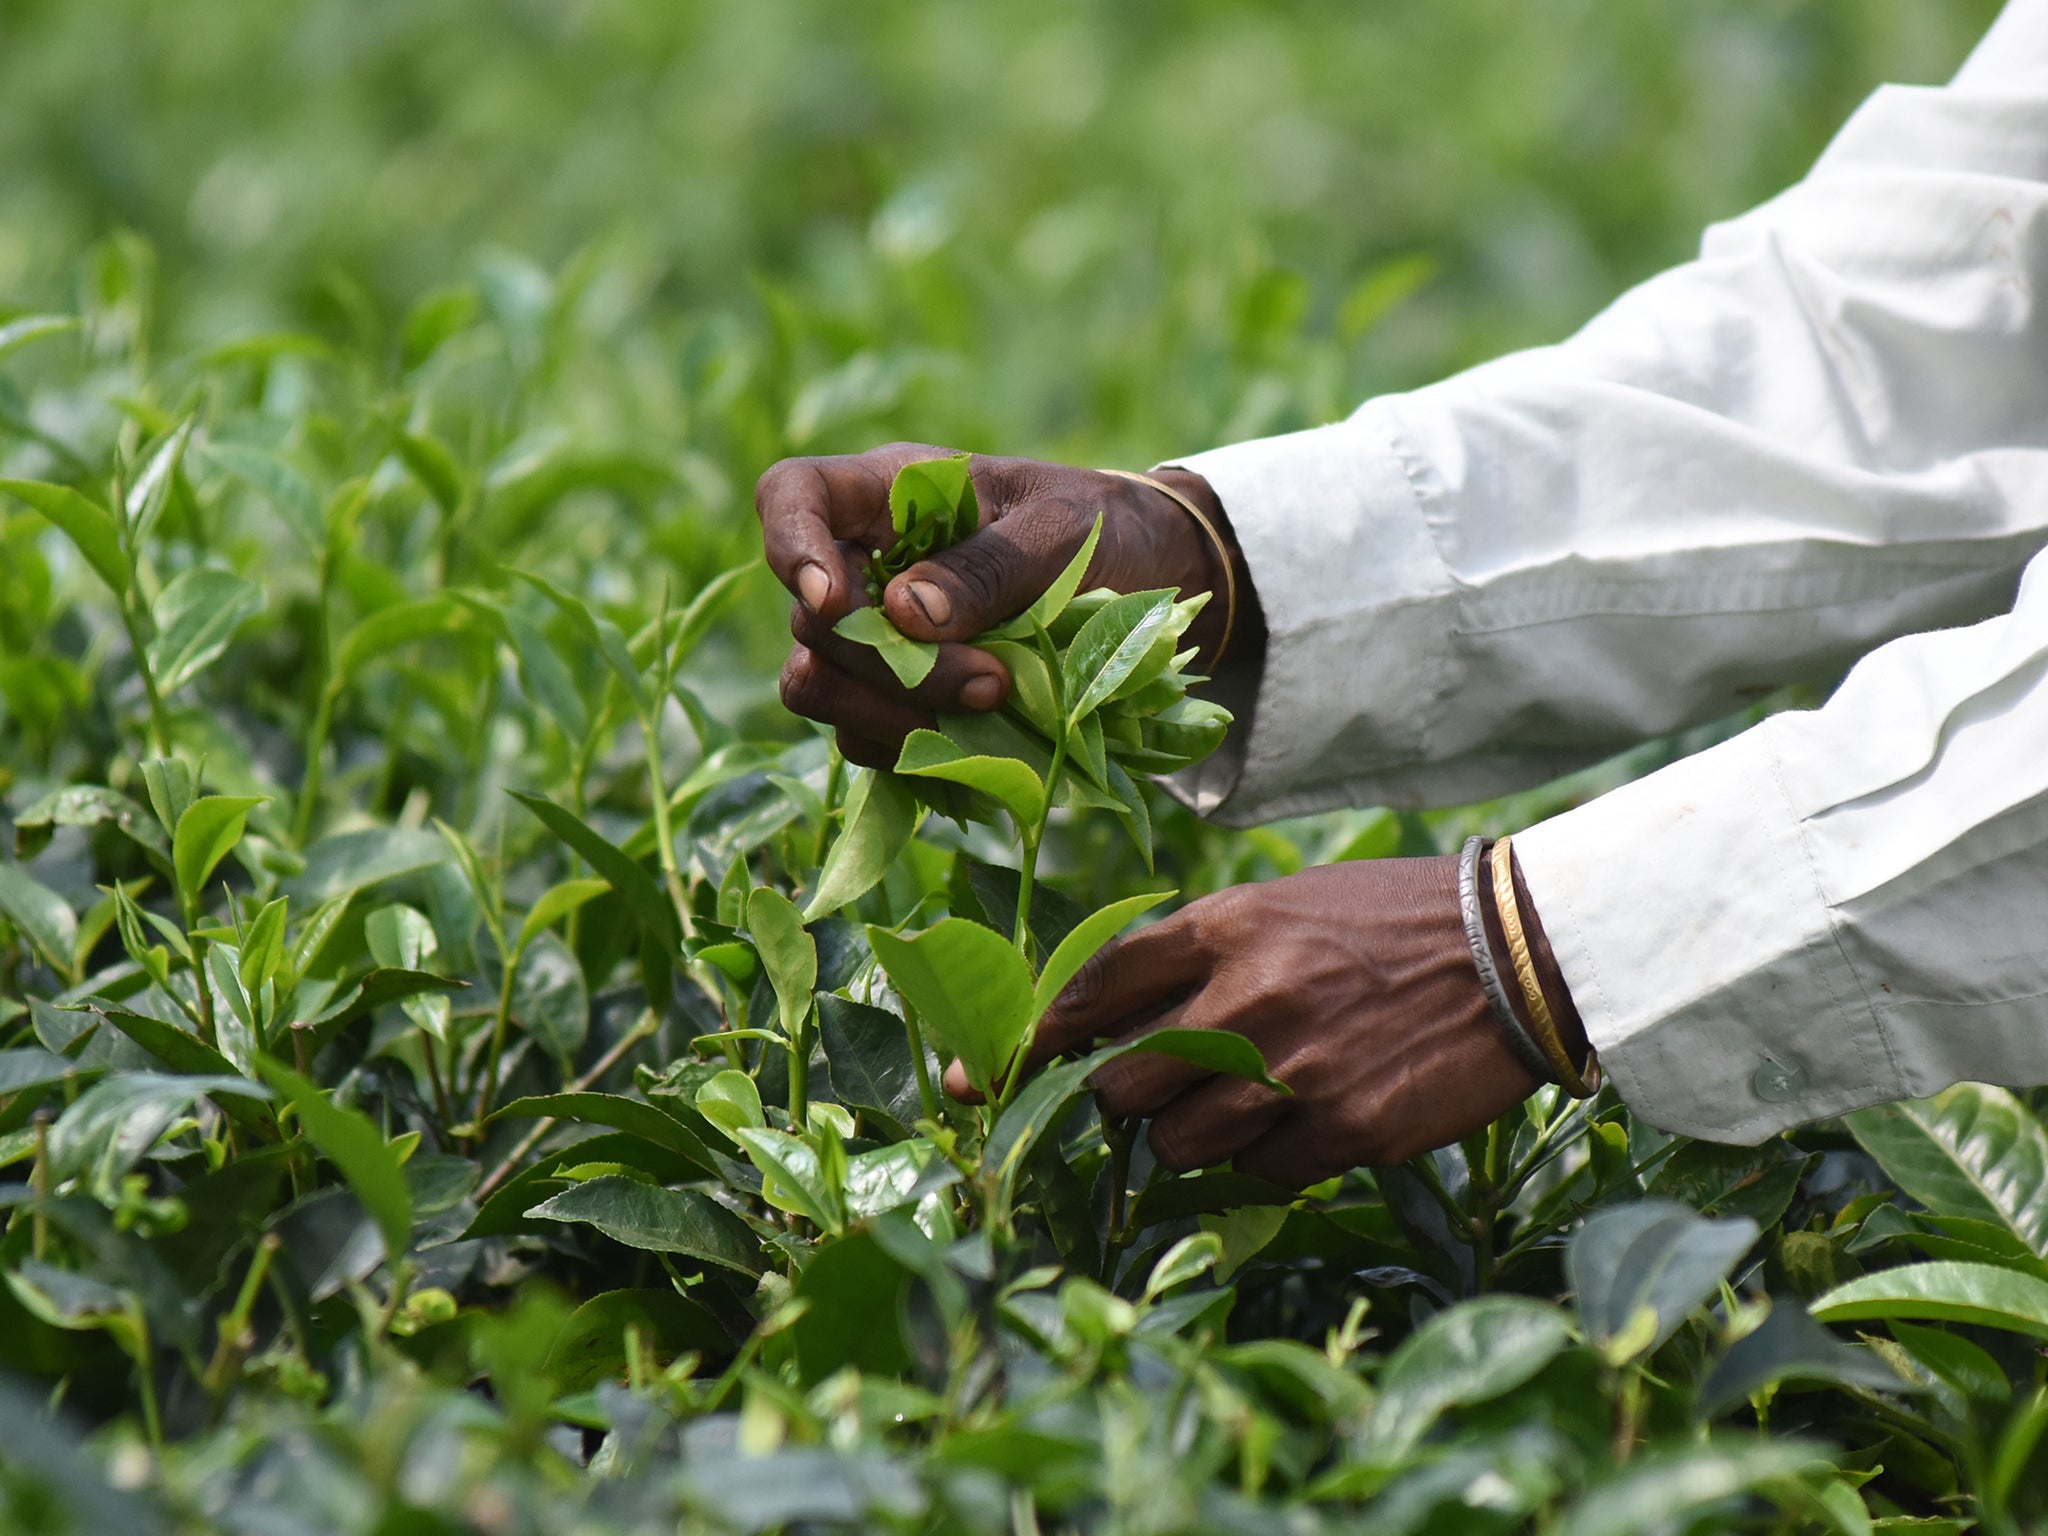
1222	555
1546	1030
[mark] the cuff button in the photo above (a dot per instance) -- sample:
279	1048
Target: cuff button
1777	1083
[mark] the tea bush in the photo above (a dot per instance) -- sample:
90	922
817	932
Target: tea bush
466	1057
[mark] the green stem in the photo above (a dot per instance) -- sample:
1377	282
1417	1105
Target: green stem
800	1076
927	1091
1027	877
39	1180
159	717
207	1030
835	785
233	1344
1121	1132
664	837
316	755
644	1026
500	1024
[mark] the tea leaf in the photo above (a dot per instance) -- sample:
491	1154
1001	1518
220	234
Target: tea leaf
787	951
347	1139
1947	1290
195	617
556	903
971	990
1081	943
911	660
87	524
44	918
1971	1150
1012	784
657	1220
206	831
1110	646
881	814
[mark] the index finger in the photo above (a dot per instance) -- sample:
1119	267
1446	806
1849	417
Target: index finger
1123	985
806	507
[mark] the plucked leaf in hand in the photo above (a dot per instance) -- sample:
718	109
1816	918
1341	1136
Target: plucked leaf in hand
911	660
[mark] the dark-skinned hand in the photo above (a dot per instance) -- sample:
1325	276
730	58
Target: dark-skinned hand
1356	983
821	517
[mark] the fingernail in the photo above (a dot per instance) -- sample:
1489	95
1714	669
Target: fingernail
936	605
815	585
983	692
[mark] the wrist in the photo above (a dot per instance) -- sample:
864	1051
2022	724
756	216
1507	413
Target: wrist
1564	1012
1195	560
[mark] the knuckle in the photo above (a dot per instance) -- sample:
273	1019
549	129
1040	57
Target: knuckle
775	482
801	687
978	571
1169	1140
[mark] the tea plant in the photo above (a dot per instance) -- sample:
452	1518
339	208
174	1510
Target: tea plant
452	1079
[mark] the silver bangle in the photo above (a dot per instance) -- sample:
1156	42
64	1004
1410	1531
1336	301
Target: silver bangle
1525	1049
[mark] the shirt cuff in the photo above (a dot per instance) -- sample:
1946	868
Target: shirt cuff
1691	928
1345	569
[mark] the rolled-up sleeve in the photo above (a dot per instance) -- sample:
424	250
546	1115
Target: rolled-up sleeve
1829	430
1837	907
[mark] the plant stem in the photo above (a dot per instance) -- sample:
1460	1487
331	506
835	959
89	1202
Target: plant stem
316	753
800	1075
835	785
39	1180
500	1022
234	1328
1027	876
664	837
1121	1133
159	718
927	1092
644	1026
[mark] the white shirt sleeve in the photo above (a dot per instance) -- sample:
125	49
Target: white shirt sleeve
1828	430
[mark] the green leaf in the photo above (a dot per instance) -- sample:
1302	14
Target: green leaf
557	903
209	828
284	487
115	1122
591	1346
712	600
1093	931
927	500
657	1220
346	863
789	953
151	491
86	523
1470	1353
86	805
602	635
796	1178
1651	1257
729	1100
644	899
19	333
1186	1259
402	939
1033	693
263	945
435	469
1666	1490
1041	1100
1972	1151
971	990
171	787
855	1292
44	918
928	755
1790	1346
551	998
347	1139
641	1119
547	678
30	1066
1945	1289
398	625
1953	1359
867	1052
880	817
911	660
1111	644
489	899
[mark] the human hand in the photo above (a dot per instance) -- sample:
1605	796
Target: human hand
821	517
1356	983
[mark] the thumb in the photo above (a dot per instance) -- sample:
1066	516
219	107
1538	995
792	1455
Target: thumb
991	576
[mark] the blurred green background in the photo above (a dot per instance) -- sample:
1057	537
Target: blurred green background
666	242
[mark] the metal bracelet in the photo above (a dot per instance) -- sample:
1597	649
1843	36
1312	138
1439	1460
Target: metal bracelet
1525	1049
